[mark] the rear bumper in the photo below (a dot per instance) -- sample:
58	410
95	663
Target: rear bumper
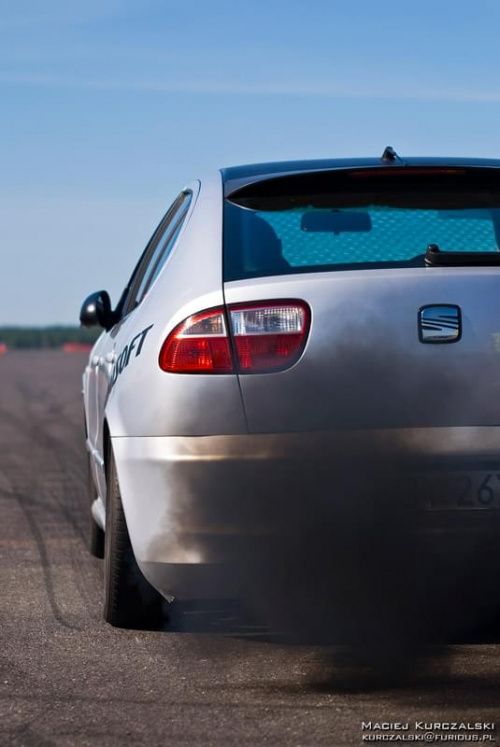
193	504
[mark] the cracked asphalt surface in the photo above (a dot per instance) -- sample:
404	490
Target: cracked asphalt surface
67	678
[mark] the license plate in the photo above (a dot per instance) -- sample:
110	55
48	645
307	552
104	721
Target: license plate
459	491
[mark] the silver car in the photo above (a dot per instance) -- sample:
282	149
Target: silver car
284	319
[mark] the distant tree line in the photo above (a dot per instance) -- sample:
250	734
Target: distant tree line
46	337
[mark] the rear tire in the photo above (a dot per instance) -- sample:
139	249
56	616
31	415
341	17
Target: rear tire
129	599
96	534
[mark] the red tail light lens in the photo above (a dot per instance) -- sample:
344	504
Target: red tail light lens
266	336
200	344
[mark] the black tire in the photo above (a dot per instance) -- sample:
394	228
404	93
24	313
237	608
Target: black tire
129	599
96	534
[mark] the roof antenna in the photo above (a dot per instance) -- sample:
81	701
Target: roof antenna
390	156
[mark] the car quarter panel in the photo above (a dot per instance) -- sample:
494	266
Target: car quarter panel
143	399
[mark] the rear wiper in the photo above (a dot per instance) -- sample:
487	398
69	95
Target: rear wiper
438	258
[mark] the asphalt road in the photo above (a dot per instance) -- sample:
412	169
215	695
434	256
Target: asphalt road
67	678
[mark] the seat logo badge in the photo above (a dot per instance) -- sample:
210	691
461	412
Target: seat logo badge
439	323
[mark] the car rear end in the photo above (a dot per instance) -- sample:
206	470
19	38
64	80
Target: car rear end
367	364
398	386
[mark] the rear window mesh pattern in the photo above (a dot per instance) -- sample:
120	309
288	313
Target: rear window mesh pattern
396	235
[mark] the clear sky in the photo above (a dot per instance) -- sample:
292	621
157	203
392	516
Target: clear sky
108	107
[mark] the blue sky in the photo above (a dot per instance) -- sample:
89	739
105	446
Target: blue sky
108	107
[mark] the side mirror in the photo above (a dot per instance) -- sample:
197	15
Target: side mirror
96	311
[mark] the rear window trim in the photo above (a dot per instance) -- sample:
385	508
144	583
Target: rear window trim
418	261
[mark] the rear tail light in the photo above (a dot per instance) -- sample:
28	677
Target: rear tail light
269	337
200	344
266	336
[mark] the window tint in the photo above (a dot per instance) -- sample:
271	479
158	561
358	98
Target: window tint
330	230
390	234
121	308
155	249
166	244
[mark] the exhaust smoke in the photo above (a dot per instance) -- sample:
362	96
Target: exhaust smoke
356	538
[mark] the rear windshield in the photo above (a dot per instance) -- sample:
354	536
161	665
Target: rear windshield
285	233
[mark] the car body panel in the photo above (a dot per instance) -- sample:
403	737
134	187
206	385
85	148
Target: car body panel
364	336
194	280
194	503
145	401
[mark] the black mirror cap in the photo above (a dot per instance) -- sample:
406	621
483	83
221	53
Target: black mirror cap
96	311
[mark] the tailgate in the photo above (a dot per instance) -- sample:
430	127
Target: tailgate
365	364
